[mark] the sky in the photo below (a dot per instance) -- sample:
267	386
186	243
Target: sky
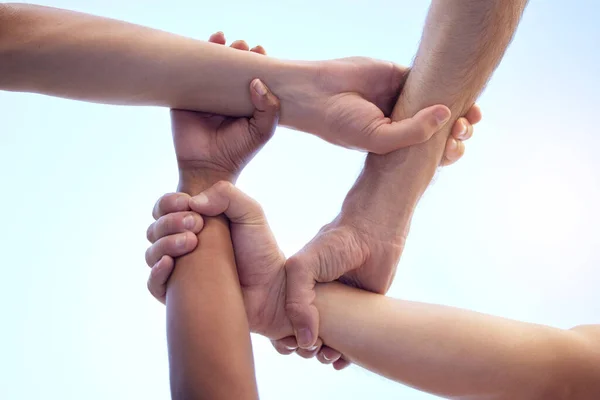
510	230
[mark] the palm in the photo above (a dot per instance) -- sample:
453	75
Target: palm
377	82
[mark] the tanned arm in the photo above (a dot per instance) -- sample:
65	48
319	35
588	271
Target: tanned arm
210	353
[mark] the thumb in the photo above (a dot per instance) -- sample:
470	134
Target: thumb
266	112
389	136
224	198
329	256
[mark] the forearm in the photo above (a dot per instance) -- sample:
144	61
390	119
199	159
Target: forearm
457	353
210	353
85	57
462	43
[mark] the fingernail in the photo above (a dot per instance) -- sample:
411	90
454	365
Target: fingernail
304	337
326	358
312	348
260	87
189	222
442	115
463	129
180	241
200	200
291	348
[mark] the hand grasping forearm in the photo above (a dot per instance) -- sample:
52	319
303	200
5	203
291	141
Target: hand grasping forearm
463	42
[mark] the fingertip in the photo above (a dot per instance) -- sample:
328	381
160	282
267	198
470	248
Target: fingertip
328	355
263	99
240	45
442	114
259	87
341	364
191	241
217	38
462	129
285	346
474	114
163	268
453	152
259	50
305	338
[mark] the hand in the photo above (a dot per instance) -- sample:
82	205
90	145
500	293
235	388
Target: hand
260	262
350	103
354	250
224	145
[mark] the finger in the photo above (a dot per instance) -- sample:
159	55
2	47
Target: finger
224	198
159	275
173	223
240	45
170	203
341	364
385	136
462	129
266	112
454	150
311	351
326	258
259	50
474	115
217	38
299	306
327	355
285	346
173	246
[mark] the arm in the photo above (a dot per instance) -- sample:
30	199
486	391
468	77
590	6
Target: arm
462	43
85	57
210	353
458	353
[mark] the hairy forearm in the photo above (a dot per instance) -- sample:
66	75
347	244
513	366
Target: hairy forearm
210	352
458	353
463	42
79	56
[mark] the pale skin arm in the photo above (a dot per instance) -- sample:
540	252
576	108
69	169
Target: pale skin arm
457	353
79	56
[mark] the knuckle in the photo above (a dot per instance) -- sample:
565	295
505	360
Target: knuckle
148	256
150	233
422	133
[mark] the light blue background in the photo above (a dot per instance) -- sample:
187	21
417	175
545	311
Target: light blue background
510	230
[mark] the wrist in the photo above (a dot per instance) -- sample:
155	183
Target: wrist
383	200
294	83
195	180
